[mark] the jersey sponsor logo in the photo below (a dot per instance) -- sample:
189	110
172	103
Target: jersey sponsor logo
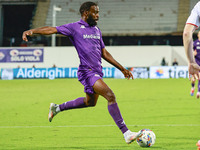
91	36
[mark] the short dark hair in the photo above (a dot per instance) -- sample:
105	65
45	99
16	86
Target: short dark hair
86	7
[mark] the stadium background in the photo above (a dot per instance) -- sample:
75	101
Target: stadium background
137	33
123	22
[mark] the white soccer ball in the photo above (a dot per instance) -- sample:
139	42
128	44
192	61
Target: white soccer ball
147	139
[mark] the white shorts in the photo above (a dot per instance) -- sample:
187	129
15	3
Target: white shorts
194	17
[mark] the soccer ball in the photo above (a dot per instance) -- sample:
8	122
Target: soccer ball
147	139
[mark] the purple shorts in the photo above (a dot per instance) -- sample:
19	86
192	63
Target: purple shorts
88	78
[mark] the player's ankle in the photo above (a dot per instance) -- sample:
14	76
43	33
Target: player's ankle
126	133
57	109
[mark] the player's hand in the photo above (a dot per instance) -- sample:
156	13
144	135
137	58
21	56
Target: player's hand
193	70
25	34
192	79
127	74
195	52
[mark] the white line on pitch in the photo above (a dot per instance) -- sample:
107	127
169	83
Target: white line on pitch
89	126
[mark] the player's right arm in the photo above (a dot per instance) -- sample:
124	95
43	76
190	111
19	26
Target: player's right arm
43	31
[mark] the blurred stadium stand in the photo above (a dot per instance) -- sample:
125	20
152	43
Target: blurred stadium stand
39	18
15	17
124	17
122	22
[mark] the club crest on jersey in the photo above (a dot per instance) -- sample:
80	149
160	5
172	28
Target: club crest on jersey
96	75
82	27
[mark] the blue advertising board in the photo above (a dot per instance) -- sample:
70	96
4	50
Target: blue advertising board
154	72
21	55
51	73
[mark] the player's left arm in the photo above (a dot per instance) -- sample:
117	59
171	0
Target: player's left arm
108	57
188	42
47	30
188	45
195	52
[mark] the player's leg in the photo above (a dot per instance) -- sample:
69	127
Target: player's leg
193	86
81	102
91	99
198	92
54	109
101	88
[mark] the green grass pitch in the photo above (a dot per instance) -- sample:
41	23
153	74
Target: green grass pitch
163	105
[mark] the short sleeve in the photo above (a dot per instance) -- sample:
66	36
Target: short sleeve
194	17
66	29
101	41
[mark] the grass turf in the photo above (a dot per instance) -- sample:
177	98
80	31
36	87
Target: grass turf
163	105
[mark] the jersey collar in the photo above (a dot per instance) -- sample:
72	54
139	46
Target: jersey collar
84	23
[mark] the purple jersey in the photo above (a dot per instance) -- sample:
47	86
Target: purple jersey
196	46
88	43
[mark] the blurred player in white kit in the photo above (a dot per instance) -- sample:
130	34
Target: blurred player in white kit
192	23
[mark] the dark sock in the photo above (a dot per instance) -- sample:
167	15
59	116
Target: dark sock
117	117
192	84
77	103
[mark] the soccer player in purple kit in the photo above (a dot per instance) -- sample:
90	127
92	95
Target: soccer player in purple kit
87	39
196	52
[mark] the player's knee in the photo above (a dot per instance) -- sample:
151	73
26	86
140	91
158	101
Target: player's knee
90	103
111	96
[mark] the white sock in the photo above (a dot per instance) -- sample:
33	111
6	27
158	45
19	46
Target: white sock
127	133
57	109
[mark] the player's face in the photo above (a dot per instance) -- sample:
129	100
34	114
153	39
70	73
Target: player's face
93	16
